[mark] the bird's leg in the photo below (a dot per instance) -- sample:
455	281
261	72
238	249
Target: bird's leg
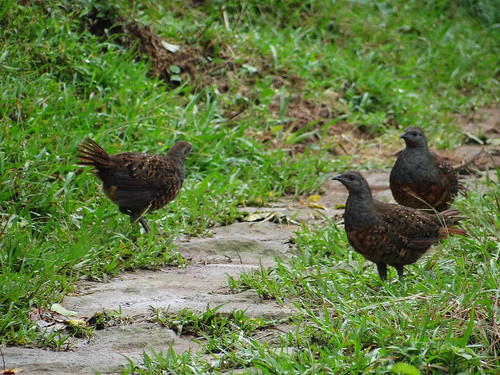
134	218
399	268
144	224
382	270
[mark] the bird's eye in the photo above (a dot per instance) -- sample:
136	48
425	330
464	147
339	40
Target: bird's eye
351	177
415	134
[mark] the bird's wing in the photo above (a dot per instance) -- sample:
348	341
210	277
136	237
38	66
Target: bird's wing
138	179
139	171
382	245
373	243
406	227
449	176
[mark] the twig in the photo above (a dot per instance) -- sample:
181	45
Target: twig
239	112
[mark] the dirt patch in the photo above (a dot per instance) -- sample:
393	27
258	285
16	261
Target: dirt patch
175	62
302	112
483	124
481	137
308	122
165	55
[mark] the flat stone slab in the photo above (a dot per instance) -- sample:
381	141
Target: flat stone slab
105	352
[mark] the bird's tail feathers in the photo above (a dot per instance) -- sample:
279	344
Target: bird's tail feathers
445	232
93	155
451	216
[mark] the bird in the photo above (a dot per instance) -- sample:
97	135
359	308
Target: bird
420	178
138	183
388	233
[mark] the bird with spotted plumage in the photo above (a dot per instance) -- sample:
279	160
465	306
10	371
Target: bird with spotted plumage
420	178
138	183
391	234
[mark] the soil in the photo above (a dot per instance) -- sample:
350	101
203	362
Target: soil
482	138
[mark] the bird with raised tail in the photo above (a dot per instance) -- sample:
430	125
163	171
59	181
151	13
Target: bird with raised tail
391	234
138	183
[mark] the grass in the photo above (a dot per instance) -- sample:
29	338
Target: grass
376	65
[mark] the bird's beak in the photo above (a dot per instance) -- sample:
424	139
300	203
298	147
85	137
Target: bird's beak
403	136
337	178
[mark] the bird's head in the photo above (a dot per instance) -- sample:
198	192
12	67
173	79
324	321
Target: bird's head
354	182
414	137
181	148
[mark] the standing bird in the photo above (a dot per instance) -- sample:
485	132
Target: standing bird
420	178
390	234
138	183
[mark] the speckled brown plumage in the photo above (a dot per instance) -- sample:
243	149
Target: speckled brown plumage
390	234
420	178
138	183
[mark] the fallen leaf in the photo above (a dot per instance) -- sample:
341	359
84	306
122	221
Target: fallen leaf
258	216
313	198
12	371
170	47
62	310
273	216
315	205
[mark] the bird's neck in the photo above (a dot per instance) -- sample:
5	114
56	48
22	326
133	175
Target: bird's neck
417	155
175	154
421	149
359	211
